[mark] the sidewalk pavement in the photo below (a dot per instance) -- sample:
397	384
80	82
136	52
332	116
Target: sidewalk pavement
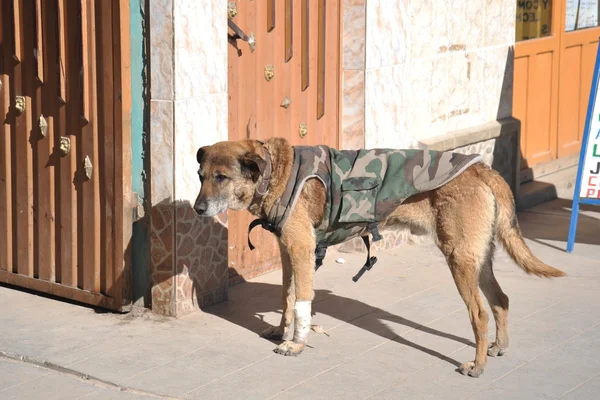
400	332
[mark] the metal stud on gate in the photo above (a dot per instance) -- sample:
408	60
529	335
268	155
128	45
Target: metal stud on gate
232	9
88	167
65	145
43	126
20	104
269	72
303	131
286	102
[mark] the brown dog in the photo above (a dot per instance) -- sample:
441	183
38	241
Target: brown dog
463	216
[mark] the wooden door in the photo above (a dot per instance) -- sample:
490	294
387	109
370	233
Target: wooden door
554	62
65	163
535	95
298	41
579	44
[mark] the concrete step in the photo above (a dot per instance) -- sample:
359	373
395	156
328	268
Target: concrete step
559	184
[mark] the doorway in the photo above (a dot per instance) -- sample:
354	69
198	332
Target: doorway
556	42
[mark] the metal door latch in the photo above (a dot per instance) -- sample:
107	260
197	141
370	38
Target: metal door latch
239	34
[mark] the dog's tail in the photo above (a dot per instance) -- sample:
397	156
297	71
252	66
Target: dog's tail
508	231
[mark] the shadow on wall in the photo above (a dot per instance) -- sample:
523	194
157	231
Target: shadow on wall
505	107
506	149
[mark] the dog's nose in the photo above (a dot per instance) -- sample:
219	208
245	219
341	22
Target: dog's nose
200	208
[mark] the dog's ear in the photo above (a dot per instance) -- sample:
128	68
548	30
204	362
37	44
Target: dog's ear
200	154
253	165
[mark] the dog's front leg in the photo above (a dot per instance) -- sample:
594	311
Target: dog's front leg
285	330
301	251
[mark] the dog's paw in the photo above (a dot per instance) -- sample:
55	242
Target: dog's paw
470	369
289	348
495	350
272	332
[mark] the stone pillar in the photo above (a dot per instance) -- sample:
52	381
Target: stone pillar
188	103
353	74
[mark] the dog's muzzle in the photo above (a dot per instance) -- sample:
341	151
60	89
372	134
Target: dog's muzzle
200	207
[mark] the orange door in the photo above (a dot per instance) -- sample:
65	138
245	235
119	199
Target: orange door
535	96
288	86
579	44
554	61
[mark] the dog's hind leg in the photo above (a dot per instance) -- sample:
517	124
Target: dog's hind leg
285	330
464	231
498	302
464	268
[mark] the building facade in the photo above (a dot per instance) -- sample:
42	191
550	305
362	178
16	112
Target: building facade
506	79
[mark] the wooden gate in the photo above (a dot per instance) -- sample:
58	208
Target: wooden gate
288	86
65	160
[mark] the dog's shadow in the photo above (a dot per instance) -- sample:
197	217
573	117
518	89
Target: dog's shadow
248	301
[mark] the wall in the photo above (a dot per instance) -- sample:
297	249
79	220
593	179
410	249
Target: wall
430	74
417	69
188	109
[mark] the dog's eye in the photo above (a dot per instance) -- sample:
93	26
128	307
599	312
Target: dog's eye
220	178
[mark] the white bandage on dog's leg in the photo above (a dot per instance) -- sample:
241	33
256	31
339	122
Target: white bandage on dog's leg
302	319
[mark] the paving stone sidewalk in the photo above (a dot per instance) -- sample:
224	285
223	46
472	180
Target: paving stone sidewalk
400	332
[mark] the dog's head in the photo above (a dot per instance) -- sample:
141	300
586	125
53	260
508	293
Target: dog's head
229	173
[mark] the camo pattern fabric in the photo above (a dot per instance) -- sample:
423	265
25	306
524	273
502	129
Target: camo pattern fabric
365	186
309	162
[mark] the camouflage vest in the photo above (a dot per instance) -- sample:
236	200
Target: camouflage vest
364	186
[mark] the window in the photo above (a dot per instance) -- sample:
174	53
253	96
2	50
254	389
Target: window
534	19
581	14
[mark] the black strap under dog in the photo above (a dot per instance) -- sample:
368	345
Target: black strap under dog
370	260
265	225
320	253
373	228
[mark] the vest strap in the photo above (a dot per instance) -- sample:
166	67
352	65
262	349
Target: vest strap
320	253
265	225
370	260
374	229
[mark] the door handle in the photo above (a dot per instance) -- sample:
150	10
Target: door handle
239	34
